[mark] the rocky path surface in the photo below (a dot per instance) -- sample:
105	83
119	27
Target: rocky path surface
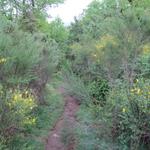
54	140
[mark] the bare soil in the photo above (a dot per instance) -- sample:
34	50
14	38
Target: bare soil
54	140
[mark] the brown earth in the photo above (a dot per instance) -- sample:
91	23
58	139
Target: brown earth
54	140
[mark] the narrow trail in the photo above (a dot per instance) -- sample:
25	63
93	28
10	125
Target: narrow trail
54	140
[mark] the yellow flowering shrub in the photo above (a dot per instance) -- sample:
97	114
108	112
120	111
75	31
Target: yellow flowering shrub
104	42
76	47
29	121
141	90
141	94
23	102
16	112
129	108
146	49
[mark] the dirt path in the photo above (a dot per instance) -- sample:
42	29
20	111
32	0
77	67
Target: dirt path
54	141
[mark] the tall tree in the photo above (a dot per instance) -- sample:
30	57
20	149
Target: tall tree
15	8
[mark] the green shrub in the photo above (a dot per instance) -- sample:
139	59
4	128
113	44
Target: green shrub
25	57
16	113
98	90
144	61
129	109
26	62
19	53
122	123
93	132
76	87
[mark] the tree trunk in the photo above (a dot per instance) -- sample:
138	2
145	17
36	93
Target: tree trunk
33	3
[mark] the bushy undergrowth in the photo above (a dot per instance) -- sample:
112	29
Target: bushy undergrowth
35	129
27	60
111	43
98	90
75	86
16	113
122	123
129	108
108	50
93	133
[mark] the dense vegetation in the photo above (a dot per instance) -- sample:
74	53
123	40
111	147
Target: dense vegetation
110	53
28	59
104	60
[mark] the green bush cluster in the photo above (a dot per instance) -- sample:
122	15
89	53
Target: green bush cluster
129	115
108	50
31	50
110	54
26	63
98	90
75	86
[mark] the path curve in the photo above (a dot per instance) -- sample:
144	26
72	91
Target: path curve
54	141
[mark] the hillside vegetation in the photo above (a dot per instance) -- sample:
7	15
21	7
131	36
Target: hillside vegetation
102	60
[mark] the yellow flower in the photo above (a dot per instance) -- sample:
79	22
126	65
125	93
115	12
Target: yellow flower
3	60
26	92
138	91
33	120
30	100
136	80
123	110
29	121
15	97
132	90
100	46
105	40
